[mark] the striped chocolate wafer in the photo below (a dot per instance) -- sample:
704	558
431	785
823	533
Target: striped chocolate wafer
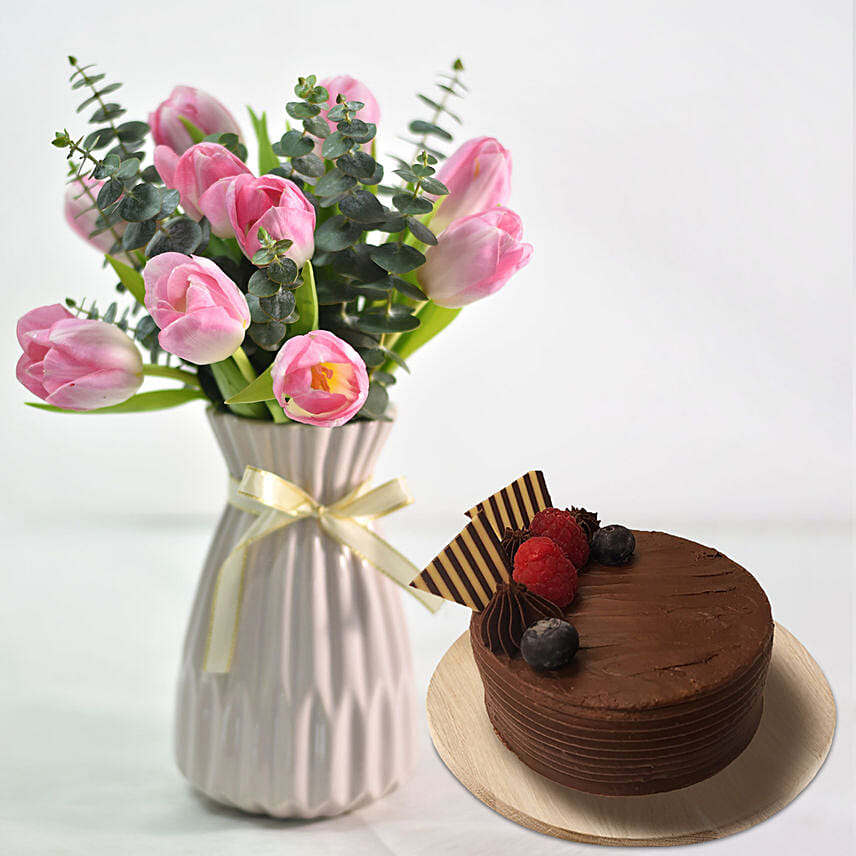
469	569
514	506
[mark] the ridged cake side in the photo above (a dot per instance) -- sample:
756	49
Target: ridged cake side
667	687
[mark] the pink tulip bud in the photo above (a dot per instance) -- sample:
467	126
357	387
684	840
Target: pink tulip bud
201	175
76	363
201	313
478	176
81	213
275	204
353	90
319	379
198	107
474	257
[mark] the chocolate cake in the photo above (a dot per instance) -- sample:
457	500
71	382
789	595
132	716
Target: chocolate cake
667	686
613	661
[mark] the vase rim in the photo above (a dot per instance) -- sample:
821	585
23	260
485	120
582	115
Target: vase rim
213	414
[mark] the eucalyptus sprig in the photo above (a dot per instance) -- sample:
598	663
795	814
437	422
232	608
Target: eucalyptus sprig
270	292
130	197
451	86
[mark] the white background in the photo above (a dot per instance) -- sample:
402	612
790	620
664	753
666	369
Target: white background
677	354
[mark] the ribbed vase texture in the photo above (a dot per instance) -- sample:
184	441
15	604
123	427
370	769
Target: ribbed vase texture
317	715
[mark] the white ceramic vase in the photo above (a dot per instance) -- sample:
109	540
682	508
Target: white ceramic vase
317	715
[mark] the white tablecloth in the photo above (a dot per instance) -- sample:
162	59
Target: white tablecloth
92	615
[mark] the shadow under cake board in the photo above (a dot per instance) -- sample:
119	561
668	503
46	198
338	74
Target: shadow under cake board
789	748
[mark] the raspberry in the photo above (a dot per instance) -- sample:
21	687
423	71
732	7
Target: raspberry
541	565
560	526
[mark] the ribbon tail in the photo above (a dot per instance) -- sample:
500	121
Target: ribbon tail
370	547
229	592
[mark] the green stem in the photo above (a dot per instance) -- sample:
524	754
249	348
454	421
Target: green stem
187	378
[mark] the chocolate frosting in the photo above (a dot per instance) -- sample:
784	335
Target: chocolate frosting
511	541
587	520
511	610
667	687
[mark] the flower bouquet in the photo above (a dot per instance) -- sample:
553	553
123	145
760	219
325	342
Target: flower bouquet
287	300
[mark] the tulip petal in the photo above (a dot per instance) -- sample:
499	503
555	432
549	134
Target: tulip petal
101	388
204	337
166	160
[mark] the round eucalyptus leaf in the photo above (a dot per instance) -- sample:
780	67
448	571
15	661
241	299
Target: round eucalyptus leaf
317	126
267	336
283	271
293	144
392	224
376	401
420	127
372	357
362	206
336	145
397	258
421	232
375	178
137	235
109	193
373	290
261	286
129	131
98	139
337	233
142	202
355	262
169	202
128	168
150	174
181	235
333	183
279	306
408	289
301	110
406	203
432	185
309	165
394	319
353	129
107	113
358	164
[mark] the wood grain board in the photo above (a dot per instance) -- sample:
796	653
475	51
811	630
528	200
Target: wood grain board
786	753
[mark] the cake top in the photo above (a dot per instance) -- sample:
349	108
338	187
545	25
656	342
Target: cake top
595	616
677	621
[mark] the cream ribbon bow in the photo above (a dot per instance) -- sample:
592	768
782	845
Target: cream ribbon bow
277	503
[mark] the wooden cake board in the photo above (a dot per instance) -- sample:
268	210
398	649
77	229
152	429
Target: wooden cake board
786	753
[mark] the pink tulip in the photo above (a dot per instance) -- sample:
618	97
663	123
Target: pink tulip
201	313
76	363
202	175
319	379
275	204
478	176
81	214
353	90
474	257
200	108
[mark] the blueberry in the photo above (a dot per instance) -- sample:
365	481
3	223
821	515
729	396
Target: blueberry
613	545
549	643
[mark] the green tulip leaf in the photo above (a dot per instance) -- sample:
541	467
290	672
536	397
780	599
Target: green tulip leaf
158	399
196	134
267	159
261	389
130	278
307	304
